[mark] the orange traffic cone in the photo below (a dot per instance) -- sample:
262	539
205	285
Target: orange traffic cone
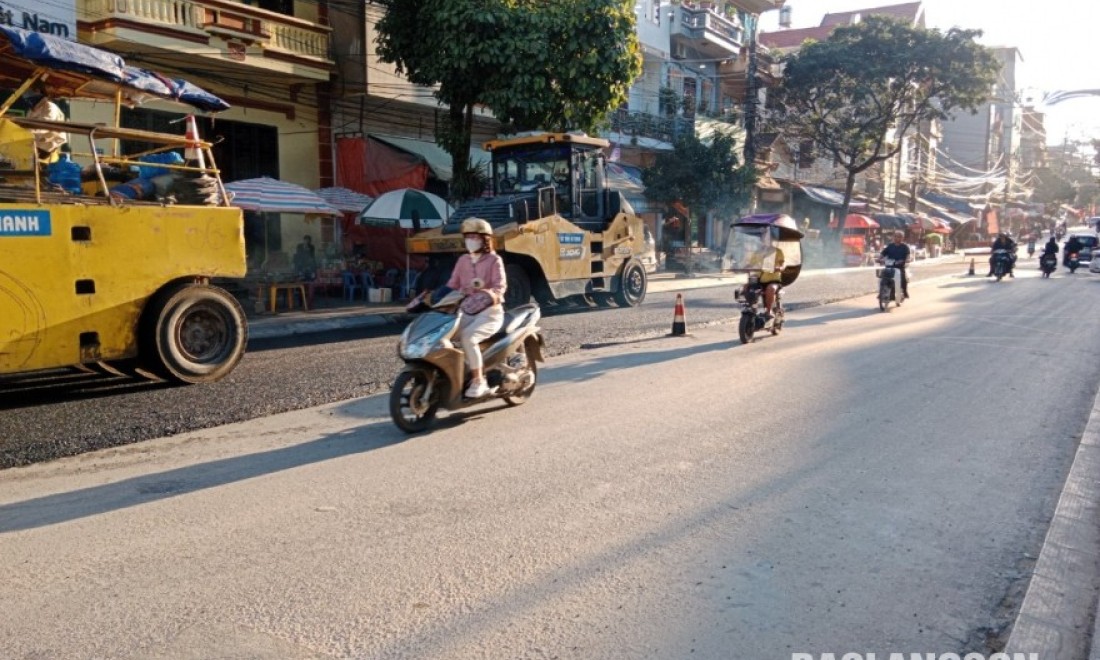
971	267
193	151
679	324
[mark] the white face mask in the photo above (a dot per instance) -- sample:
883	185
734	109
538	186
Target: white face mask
473	244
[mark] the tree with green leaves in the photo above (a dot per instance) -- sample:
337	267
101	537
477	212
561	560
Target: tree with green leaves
556	66
881	77
702	176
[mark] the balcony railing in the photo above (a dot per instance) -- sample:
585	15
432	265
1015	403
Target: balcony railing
268	29
642	124
706	25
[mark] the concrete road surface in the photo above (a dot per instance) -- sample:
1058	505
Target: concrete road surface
865	482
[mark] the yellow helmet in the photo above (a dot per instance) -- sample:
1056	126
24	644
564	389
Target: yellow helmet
476	226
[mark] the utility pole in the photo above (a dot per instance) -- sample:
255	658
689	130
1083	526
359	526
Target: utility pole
750	105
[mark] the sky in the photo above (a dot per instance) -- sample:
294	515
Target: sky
1058	41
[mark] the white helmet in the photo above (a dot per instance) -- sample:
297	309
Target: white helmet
476	226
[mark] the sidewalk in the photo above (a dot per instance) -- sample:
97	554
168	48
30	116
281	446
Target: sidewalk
348	315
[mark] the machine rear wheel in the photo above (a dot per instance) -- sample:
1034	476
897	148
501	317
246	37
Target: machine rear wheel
196	334
410	409
746	328
632	287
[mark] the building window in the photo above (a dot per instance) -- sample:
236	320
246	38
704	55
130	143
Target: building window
655	12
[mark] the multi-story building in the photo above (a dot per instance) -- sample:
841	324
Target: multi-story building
987	143
1033	140
385	126
694	77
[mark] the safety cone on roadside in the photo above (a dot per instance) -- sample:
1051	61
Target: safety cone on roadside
679	324
193	152
971	272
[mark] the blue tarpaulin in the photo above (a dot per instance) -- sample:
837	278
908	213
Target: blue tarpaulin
61	54
57	53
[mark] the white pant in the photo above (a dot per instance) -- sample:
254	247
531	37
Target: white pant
476	328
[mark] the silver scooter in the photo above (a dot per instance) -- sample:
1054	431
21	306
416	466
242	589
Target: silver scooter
435	373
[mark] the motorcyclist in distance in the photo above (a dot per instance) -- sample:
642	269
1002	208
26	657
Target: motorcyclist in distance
899	252
1003	242
1072	246
1051	246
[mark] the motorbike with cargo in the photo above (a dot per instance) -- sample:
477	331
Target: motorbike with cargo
768	248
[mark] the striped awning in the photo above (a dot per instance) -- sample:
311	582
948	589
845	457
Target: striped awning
269	195
344	199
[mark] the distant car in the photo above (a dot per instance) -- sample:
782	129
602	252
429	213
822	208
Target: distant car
649	256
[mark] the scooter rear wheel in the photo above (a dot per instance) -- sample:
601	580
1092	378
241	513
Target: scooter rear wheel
410	410
521	398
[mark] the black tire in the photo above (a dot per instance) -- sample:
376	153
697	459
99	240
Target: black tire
524	396
883	297
746	328
632	285
196	333
405	395
519	286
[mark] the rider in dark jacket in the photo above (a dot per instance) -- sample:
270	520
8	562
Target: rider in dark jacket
899	252
1072	246
1003	242
1051	246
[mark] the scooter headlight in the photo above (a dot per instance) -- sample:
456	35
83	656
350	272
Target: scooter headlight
424	343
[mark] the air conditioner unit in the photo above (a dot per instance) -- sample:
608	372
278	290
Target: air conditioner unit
679	52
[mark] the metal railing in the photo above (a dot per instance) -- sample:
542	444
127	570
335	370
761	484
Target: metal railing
643	124
695	23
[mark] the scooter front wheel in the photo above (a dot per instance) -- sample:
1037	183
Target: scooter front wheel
415	399
746	328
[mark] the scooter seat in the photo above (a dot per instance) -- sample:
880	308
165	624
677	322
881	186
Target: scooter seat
513	318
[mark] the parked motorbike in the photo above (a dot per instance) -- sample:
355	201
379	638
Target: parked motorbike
1048	263
1002	262
753	315
435	374
1072	262
889	284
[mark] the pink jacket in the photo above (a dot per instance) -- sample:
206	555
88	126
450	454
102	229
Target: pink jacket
489	269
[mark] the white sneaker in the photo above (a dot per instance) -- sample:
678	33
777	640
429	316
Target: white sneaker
477	389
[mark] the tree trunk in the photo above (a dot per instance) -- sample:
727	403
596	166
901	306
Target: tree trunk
457	143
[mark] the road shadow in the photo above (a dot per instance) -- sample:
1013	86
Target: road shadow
595	367
135	491
841	315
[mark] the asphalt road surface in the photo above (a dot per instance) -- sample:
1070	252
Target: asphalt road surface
70	413
864	482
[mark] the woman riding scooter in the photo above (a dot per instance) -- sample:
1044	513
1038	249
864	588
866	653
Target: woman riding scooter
480	275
